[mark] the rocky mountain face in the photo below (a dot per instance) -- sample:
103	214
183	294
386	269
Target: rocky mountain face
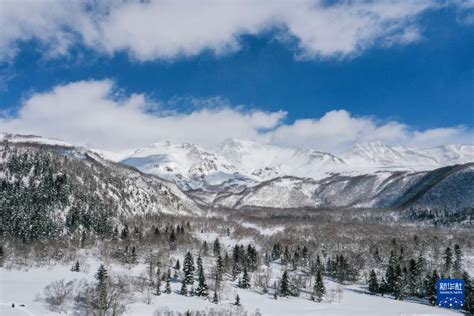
444	188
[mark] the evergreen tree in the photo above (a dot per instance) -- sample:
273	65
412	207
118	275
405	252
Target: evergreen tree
177	265
420	270
431	287
295	260
215	298
188	268
102	289
216	248
468	293
383	287
237	301
252	258
202	289
184	288
238	259
286	256
285	289
276	252
158	282
412	279
390	275
245	282
373	283
457	266
448	260
319	289
76	267
168	280
219	268
398	283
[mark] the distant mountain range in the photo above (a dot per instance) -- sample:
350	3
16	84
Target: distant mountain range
241	174
238	163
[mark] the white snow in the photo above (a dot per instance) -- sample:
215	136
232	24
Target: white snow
26	287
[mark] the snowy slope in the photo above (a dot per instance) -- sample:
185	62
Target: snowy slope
243	163
269	161
127	190
445	188
188	165
26	287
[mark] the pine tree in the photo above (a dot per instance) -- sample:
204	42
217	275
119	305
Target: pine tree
158	282
177	265
468	293
420	270
219	268
76	267
412	278
448	260
457	266
285	290
286	256
237	301
237	261
390	275
168	280
215	298
398	283
188	268
102	290
219	275
373	283
202	289
216	248
319	289
184	288
276	252
245	282
431	287
252	258
383	287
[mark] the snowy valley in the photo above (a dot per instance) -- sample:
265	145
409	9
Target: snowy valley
245	229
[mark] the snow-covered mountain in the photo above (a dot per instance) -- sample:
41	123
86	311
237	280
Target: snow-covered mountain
188	165
269	161
241	173
127	190
238	163
448	188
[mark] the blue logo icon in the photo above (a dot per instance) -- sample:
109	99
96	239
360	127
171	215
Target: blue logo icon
450	293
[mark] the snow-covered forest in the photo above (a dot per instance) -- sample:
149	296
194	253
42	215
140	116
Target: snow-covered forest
85	236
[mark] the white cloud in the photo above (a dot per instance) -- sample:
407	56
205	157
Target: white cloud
91	112
166	29
86	112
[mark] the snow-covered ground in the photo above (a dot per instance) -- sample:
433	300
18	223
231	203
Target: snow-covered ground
26	287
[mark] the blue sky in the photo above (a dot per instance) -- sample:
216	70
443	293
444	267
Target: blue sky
416	80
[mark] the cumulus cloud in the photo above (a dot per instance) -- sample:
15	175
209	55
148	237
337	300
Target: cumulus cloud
167	29
93	113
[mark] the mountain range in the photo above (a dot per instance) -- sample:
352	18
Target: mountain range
174	178
240	163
